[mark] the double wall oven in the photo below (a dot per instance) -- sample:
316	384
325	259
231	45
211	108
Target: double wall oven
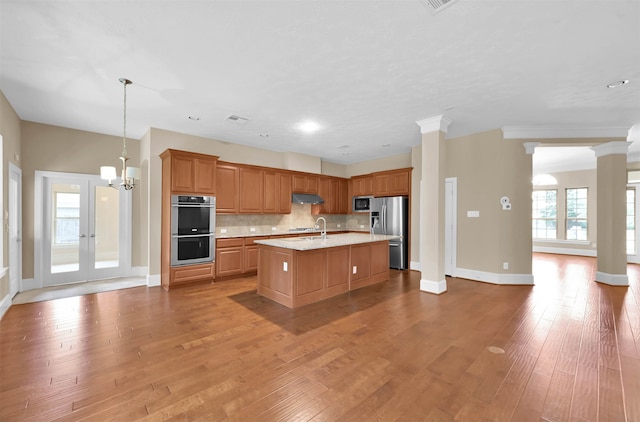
193	229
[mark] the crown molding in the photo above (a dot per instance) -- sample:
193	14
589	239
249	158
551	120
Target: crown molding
610	148
434	124
541	132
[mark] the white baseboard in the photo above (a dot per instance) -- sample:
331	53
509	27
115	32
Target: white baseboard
565	251
495	278
153	280
612	279
415	265
5	304
435	287
28	284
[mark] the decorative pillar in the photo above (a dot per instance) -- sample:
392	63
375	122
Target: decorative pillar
612	214
432	204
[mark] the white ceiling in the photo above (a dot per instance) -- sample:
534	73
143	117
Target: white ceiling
366	71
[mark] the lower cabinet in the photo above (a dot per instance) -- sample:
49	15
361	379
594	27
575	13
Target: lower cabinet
237	256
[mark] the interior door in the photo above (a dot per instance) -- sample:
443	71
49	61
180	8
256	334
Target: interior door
83	230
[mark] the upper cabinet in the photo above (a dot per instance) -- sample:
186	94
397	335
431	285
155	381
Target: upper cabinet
227	183
251	189
189	172
277	192
362	185
335	193
304	183
392	182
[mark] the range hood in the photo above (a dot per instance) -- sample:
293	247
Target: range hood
306	198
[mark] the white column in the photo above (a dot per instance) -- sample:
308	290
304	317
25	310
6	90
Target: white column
432	204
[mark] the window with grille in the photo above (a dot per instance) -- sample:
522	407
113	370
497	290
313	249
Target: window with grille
544	212
577	223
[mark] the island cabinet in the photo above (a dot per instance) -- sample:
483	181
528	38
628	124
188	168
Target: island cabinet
392	183
294	276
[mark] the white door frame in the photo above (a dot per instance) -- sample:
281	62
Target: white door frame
39	227
451	226
15	229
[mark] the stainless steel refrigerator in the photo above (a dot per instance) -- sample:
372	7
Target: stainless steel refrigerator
391	216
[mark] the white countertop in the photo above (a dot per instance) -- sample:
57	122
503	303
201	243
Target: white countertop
332	240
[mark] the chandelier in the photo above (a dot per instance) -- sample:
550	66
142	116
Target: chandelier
128	174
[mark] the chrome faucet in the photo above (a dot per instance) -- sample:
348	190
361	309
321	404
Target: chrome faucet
323	232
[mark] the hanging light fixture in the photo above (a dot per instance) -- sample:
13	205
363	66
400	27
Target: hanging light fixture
129	174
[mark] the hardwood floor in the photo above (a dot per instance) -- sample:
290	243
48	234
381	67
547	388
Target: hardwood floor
568	349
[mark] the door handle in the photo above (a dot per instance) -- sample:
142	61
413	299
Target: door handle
83	235
92	235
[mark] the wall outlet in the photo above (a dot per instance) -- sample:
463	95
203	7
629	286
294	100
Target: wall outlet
274	229
505	265
355	269
223	230
252	229
362	226
339	225
285	266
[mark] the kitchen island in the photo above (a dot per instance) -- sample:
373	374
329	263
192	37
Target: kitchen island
298	271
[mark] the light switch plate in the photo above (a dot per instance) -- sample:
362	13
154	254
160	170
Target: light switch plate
285	266
355	269
252	229
473	214
223	230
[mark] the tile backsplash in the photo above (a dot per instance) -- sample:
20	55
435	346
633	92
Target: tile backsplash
300	217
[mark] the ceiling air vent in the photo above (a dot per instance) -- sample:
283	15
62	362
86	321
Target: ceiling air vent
437	6
237	119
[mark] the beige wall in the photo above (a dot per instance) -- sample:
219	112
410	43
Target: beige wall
382	164
10	131
488	167
54	148
574	179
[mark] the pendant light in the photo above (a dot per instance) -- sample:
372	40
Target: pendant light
128	174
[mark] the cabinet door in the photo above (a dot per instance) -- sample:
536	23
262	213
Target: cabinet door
227	198
343	197
250	258
250	190
205	176
284	193
324	191
381	185
400	182
182	172
270	200
229	261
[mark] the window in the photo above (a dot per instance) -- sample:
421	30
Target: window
67	218
544	212
577	214
631	221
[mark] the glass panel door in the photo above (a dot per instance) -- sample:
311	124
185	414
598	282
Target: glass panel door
84	237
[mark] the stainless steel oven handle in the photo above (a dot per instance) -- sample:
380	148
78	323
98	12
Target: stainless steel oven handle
179	236
193	205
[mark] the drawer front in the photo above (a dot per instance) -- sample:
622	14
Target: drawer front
251	240
229	243
192	273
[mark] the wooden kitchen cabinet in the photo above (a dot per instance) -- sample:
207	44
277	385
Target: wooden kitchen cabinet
276	192
251	254
229	256
251	190
362	185
392	183
304	183
227	187
190	173
335	193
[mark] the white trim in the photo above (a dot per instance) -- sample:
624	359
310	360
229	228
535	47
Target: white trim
415	266
537	132
612	279
5	304
495	278
139	271
565	251
610	148
530	147
4	271
451	213
434	124
435	287
153	280
29	284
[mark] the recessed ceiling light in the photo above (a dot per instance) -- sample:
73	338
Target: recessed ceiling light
618	83
194	118
343	146
386	145
309	126
264	135
345	153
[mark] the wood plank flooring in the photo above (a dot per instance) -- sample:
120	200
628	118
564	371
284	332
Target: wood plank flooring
569	350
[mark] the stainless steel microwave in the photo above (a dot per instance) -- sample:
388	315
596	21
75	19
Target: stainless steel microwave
361	203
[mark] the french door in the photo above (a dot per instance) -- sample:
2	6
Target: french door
84	229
